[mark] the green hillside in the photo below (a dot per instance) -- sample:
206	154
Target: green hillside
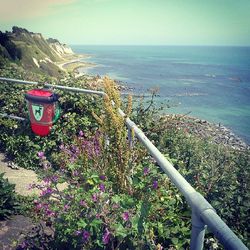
32	51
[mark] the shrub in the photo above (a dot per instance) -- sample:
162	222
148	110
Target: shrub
17	139
116	198
220	173
119	194
7	197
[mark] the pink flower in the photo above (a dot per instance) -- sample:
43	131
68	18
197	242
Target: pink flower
24	245
125	216
66	207
54	178
50	213
94	197
78	232
75	173
46	191
46	180
85	235
39	206
83	203
40	154
106	237
81	134
146	171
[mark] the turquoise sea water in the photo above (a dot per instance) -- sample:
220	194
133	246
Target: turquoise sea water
212	83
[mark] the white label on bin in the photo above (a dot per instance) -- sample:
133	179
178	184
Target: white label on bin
37	111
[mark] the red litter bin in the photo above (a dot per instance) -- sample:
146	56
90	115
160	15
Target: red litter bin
43	110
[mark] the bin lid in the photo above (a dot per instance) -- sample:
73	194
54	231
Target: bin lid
40	92
41	96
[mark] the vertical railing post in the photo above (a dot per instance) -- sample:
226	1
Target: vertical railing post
198	232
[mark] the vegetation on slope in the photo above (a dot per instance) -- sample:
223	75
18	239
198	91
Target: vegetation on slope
33	52
121	195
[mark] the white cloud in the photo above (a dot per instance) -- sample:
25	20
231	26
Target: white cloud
13	10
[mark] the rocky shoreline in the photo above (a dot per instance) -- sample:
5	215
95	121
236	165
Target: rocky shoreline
216	133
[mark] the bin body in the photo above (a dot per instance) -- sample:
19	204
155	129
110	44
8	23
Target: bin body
42	108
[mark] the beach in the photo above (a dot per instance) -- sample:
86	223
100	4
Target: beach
74	62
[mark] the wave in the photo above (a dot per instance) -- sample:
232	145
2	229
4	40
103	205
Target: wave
189	94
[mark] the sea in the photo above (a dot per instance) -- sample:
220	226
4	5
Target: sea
207	82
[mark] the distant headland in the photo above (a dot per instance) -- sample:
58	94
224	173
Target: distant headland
33	52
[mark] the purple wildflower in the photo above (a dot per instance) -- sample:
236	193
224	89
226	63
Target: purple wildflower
54	178
103	177
45	206
39	206
75	173
50	213
85	235
125	216
46	180
46	191
146	171
66	207
24	245
155	184
97	148
72	159
102	187
81	134
94	197
40	154
78	232
106	236
83	203
74	149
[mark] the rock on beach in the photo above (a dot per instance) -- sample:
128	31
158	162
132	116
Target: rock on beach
216	133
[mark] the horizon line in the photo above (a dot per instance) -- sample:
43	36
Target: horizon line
161	45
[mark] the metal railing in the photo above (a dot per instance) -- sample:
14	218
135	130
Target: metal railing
203	214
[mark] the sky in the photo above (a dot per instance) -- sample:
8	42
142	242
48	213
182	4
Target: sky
132	22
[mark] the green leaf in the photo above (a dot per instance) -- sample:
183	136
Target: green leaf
120	230
81	224
95	223
175	241
116	199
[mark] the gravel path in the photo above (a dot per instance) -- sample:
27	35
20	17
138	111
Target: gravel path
21	177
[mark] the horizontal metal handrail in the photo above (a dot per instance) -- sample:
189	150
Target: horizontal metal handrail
202	212
12	117
47	85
